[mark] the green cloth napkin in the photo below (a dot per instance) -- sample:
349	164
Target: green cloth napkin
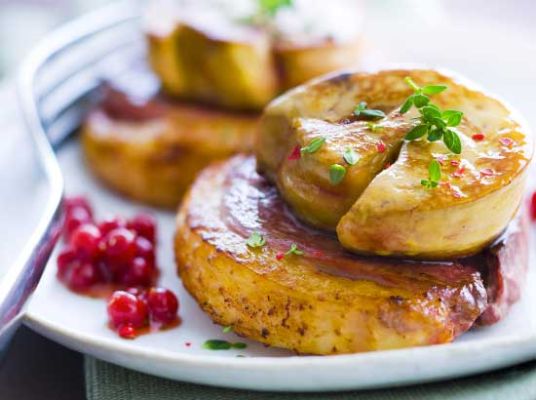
109	382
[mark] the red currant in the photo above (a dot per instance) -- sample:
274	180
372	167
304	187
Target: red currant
138	292
83	275
127	331
140	273
85	241
163	305
78	202
65	260
120	247
108	224
74	219
144	225
145	249
125	308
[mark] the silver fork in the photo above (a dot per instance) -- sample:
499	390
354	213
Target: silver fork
55	87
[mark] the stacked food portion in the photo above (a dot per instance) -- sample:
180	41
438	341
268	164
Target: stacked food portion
381	211
219	62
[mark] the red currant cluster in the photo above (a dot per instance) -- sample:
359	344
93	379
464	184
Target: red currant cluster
120	254
114	251
134	309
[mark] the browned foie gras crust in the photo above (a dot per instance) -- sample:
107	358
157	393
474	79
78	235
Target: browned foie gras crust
326	301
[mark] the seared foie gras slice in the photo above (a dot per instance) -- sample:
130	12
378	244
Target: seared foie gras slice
305	179
390	212
326	300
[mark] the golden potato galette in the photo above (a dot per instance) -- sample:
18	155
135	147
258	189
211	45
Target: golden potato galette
357	173
150	149
242	53
252	265
322	244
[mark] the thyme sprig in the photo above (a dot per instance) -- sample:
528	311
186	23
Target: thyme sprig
256	240
435	123
434	175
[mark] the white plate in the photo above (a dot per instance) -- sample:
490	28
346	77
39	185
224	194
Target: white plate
79	322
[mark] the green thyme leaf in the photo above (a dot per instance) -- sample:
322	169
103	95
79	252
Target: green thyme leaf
407	105
433	89
313	146
430	112
350	156
420	100
336	173
256	240
417	132
452	141
360	107
227	329
438	122
453	117
294	250
216	344
373	114
434	171
435	134
361	110
434	175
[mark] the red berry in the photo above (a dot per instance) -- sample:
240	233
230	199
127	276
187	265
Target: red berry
108	224
533	206
144	225
125	308
163	305
120	247
145	249
127	331
140	273
85	241
77	202
65	260
139	293
82	276
74	219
